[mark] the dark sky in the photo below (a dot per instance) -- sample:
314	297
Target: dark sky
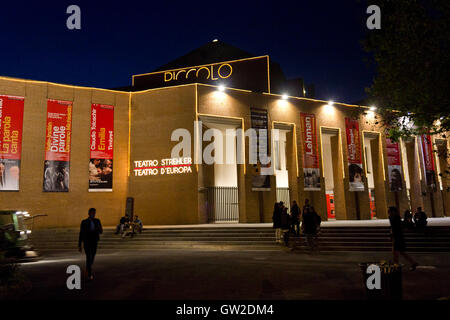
316	40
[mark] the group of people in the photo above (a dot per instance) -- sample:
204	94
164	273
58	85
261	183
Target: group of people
100	170
398	240
129	226
418	221
285	223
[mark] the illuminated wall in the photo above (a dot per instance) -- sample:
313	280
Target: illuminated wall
143	124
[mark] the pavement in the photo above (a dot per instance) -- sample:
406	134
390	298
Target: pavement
216	274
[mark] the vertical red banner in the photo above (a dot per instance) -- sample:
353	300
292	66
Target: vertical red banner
394	165
57	146
102	147
428	158
311	171
11	123
354	155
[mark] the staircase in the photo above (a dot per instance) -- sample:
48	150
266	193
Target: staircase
435	239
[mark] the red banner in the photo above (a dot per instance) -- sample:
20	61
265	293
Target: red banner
427	149
57	145
311	170
393	152
59	128
353	141
11	123
354	155
428	158
394	165
102	145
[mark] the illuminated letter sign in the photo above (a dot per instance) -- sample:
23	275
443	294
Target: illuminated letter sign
250	74
167	166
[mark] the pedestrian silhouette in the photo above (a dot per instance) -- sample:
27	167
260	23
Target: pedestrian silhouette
90	230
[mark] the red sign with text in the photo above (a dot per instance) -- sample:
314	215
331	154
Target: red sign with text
393	152
394	166
102	145
58	130
102	131
11	122
355	169
57	146
427	149
353	141
311	171
310	146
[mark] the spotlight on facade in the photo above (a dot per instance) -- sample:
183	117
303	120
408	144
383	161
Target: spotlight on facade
221	88
284	96
330	103
372	108
329	109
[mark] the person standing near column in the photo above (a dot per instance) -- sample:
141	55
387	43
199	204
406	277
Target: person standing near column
276	218
90	230
295	213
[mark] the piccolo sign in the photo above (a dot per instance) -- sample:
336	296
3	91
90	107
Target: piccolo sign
213	72
166	166
250	74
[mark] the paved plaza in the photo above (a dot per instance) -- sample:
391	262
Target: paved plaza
210	274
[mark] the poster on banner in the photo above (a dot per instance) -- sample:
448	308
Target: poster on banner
57	146
11	124
355	168
428	158
311	171
394	166
261	172
101	145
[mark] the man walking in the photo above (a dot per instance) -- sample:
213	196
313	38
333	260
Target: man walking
90	230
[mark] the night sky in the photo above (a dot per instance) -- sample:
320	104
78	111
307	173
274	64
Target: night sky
316	40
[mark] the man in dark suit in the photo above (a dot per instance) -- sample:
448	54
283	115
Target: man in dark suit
90	230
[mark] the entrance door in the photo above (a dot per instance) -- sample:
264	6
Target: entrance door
220	178
281	172
328	171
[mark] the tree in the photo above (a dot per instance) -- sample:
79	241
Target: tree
411	52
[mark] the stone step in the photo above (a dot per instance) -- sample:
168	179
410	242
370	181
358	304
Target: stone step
435	239
270	247
237	235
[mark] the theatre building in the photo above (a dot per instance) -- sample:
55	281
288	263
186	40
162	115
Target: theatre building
146	149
